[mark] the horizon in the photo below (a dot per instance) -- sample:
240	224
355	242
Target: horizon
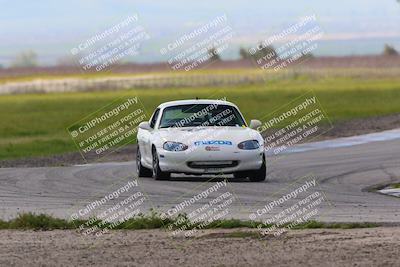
358	28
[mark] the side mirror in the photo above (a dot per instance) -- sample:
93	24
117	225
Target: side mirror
254	124
145	125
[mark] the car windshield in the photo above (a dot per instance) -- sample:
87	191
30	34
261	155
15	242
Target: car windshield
201	115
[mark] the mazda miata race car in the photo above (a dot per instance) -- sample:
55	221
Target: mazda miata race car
200	137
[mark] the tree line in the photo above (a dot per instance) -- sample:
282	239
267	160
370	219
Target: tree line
30	58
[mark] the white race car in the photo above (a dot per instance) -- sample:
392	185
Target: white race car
200	137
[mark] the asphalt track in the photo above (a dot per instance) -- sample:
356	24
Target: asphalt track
345	177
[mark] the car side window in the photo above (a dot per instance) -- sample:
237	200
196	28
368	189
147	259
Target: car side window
154	118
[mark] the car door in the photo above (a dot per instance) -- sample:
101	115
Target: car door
147	138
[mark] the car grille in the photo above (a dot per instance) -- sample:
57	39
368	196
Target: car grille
212	164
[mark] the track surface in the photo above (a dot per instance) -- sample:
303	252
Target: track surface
343	174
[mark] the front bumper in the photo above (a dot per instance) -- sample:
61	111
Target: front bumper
210	162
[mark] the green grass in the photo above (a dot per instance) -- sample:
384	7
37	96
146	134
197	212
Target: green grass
35	124
396	185
30	221
317	225
36	222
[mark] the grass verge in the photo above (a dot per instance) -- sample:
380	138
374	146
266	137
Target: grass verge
30	221
396	185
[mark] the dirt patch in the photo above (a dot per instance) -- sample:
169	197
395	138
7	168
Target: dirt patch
362	126
355	247
128	153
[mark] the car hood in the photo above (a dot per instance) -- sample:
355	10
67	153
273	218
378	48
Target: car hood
208	135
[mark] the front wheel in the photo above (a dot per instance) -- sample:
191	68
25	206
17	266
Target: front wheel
259	175
158	174
254	176
142	171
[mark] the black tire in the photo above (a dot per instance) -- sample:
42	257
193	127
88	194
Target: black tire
242	174
158	174
259	175
141	170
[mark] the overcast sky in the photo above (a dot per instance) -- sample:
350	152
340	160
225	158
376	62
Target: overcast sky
52	28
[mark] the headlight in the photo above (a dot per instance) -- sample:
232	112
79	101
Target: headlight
174	146
249	145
